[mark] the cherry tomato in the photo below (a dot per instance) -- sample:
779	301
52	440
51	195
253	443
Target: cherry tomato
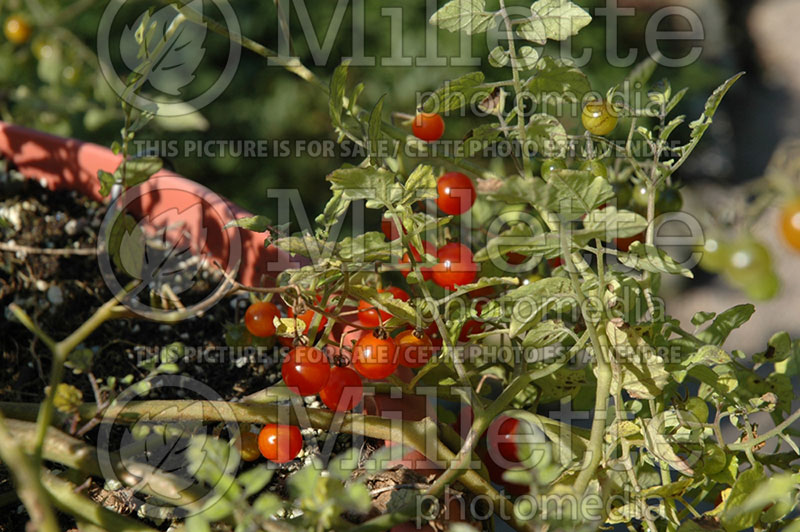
624	194
624	244
455	266
248	446
470	327
259	318
429	249
370	316
389	229
698	409
17	29
414	349
790	223
548	165
280	443
765	287
343	391
375	356
639	197
428	126
555	262
748	260
714	255
456	193
669	200
305	370
436	339
597	168
599	117
502	436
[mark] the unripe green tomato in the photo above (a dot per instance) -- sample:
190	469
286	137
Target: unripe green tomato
599	117
597	168
714	459
698	408
548	165
669	200
624	194
748	261
714	255
639	198
763	288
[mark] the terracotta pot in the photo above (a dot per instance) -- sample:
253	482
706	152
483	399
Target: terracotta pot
61	163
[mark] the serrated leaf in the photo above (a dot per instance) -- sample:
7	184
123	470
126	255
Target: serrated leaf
556	80
367	184
779	348
137	170
609	223
498	57
468	16
725	323
456	94
385	301
533	30
649	258
421	184
547	135
573	193
367	247
561	18
545	333
306	245
257	223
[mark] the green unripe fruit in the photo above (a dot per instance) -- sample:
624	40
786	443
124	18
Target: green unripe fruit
599	117
748	262
597	168
548	165
669	200
698	408
714	255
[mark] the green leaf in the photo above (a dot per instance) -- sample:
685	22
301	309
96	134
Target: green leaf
334	209
499	57
649	258
709	355
368	184
337	88
126	245
547	135
306	245
671	490
456	94
367	247
725	323
80	360
385	301
468	16
137	170
701	125
702	317
642	72
556	80
421	184
642	373
527	57
547	332
561	18
779	348
267	504
734	516
254	480
533	30
257	223
609	223
376	144
657	444
573	193
197	522
107	181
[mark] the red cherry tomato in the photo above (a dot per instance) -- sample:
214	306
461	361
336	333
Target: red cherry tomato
370	316
555	262
429	249
455	266
502	436
414	350
305	370
307	317
624	244
280	443
259	318
456	193
428	126
790	223
343	391
375	357
248	446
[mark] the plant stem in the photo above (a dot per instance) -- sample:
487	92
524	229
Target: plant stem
29	485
